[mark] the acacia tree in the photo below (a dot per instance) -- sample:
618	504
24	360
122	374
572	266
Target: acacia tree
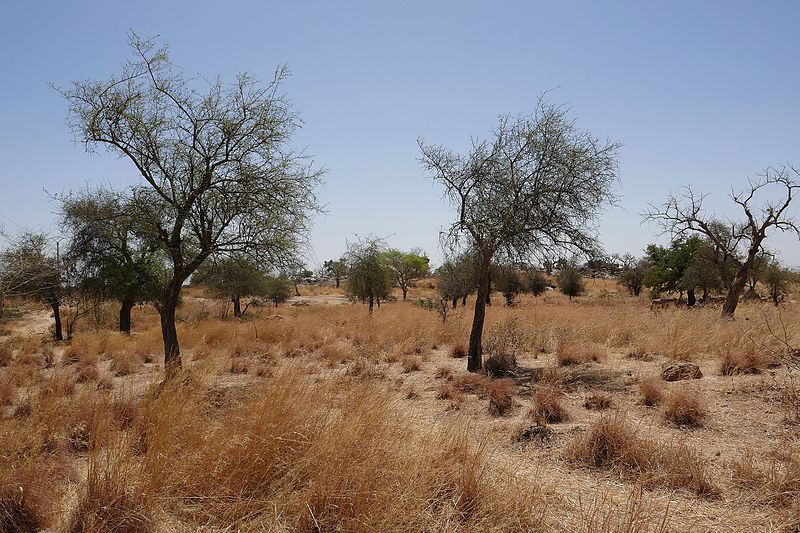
28	270
508	280
632	274
369	279
533	188
406	267
535	282
111	257
742	240
232	278
570	282
221	178
336	268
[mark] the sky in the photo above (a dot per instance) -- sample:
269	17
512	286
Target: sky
699	93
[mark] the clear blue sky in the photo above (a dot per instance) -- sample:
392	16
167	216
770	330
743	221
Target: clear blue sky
701	93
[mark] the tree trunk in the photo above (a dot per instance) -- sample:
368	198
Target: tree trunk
55	305
237	306
337	282
125	308
404	288
371	303
172	350
732	298
296	290
704	299
475	358
455	302
464	300
690	298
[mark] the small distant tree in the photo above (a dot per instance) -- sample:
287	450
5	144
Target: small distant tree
298	273
702	273
743	240
113	258
757	271
631	275
508	281
369	279
336	269
277	289
536	282
232	278
456	278
777	280
666	266
533	188
570	282
27	270
407	267
220	175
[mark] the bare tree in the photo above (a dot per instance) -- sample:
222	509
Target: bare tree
220	175
740	241
533	189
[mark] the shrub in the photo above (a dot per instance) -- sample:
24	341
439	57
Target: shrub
685	407
458	351
501	396
598	401
547	407
571	353
651	391
444	372
748	362
411	363
611	443
17	512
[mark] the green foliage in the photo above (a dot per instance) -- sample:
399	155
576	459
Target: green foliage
277	289
336	269
536	283
231	278
508	280
457	277
702	272
667	265
632	274
370	279
406	267
27	270
777	279
570	282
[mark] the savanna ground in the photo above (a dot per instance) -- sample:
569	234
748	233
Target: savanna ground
318	417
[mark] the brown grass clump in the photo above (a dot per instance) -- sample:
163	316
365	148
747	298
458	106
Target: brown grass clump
444	372
7	390
503	344
17	512
598	401
501	396
547	406
238	366
574	353
736	362
773	481
651	390
458	351
110	501
86	372
411	363
448	391
685	407
613	444
125	363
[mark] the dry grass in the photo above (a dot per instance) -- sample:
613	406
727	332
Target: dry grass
348	422
548	407
651	390
598	401
685	406
611	443
738	361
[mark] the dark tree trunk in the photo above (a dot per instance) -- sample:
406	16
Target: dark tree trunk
704	298
371	303
690	298
55	305
464	300
237	306
337	282
732	298
172	350
740	280
405	291
455	302
475	358
125	308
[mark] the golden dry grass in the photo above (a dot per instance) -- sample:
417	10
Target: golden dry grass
320	417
